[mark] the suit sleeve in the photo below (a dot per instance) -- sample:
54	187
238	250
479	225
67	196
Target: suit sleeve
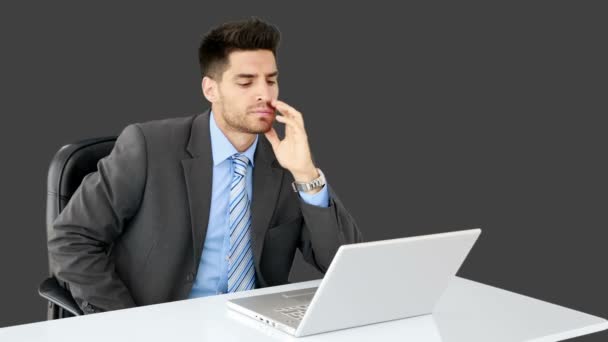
325	229
95	216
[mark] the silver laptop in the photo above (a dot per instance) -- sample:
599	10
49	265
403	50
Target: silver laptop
367	283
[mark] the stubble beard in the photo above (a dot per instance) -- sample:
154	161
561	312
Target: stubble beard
246	123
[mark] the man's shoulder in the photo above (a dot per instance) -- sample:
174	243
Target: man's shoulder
167	125
165	135
168	128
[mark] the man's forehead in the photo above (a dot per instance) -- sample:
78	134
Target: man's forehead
252	63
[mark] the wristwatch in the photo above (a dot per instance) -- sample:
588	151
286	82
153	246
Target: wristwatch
307	186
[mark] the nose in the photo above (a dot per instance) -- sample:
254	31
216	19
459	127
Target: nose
264	93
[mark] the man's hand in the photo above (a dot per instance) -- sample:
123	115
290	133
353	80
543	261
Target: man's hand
293	152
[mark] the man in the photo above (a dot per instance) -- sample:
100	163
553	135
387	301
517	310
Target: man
202	205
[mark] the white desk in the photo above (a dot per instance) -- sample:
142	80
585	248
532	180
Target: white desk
467	312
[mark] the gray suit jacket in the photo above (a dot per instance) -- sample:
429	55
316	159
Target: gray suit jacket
133	232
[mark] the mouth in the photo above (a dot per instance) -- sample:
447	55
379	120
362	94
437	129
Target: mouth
264	112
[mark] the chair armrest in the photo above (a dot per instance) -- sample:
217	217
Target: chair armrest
54	293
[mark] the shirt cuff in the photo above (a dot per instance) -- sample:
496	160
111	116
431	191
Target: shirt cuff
320	199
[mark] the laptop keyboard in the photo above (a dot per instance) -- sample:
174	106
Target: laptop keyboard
294	312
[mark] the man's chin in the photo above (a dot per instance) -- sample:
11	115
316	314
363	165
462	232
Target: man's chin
264	129
261	126
257	129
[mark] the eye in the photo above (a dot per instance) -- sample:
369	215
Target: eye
244	85
271	82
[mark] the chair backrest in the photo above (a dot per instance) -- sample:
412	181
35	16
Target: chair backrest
67	169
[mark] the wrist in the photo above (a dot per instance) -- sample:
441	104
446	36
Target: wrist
306	176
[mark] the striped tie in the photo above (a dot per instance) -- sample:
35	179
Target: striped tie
241	272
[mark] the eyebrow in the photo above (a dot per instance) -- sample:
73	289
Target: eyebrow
272	74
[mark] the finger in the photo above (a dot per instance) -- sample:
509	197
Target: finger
290	124
273	138
288	110
290	116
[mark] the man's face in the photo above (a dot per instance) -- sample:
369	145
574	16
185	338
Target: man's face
245	91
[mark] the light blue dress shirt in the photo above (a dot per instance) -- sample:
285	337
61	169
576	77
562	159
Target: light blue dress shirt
212	275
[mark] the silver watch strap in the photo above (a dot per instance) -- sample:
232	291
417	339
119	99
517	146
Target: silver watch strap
307	186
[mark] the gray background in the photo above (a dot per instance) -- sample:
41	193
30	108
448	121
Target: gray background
425	119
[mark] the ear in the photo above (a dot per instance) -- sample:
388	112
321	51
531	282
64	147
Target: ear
209	87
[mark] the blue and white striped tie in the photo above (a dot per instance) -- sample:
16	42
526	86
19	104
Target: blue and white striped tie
241	271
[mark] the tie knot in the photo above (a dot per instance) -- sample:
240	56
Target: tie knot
240	163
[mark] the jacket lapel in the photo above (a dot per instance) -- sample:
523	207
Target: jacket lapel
198	173
267	179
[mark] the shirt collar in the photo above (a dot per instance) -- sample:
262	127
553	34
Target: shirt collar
222	148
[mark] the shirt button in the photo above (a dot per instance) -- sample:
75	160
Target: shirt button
227	257
190	277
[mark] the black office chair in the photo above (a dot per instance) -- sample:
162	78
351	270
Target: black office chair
68	167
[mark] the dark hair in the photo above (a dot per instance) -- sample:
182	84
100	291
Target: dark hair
217	44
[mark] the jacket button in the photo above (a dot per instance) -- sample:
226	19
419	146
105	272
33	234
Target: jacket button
88	308
190	277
